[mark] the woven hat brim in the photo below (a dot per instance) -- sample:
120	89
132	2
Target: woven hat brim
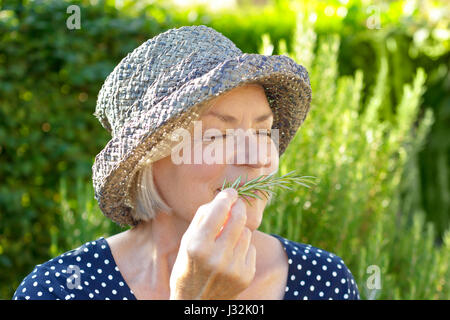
144	136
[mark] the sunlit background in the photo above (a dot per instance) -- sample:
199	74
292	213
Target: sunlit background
377	135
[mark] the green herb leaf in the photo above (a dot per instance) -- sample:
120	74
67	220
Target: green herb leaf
266	183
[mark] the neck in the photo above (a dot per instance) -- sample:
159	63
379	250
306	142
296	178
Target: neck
162	235
152	248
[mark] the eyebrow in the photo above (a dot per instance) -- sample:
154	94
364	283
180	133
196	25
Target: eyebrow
231	119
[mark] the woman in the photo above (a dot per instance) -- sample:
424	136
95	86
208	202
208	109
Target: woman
189	239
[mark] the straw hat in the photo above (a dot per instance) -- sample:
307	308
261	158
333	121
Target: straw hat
163	85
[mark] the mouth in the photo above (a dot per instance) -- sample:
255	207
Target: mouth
251	199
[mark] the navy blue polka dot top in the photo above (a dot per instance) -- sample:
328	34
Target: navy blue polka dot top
315	274
90	272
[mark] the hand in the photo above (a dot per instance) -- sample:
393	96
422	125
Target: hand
208	268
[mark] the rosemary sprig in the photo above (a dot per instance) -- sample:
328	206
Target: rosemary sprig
266	183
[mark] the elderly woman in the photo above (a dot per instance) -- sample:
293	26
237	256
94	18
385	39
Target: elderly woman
189	239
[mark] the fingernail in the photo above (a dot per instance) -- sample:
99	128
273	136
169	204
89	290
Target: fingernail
240	202
232	192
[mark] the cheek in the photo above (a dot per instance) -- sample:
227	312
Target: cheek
199	177
274	157
165	175
195	185
202	172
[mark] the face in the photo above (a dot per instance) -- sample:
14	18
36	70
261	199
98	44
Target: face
186	186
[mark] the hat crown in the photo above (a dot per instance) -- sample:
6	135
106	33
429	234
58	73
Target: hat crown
157	68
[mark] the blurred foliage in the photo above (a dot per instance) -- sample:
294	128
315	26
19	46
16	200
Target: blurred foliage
383	177
365	164
409	34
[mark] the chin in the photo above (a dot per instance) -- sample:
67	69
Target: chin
253	225
254	215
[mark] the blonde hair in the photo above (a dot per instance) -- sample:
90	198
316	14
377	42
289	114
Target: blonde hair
148	201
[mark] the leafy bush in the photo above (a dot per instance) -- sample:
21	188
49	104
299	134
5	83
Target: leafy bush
355	210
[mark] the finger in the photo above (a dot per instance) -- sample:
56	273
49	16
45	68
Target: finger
250	261
241	248
203	210
215	214
233	229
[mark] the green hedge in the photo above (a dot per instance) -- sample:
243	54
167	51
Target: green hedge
50	77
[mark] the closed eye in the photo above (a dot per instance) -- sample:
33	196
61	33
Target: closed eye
212	138
263	132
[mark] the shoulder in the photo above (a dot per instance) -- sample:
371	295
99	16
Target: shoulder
65	276
315	273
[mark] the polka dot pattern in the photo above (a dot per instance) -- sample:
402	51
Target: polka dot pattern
90	273
85	273
315	274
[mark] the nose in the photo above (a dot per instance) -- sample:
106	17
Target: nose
254	151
